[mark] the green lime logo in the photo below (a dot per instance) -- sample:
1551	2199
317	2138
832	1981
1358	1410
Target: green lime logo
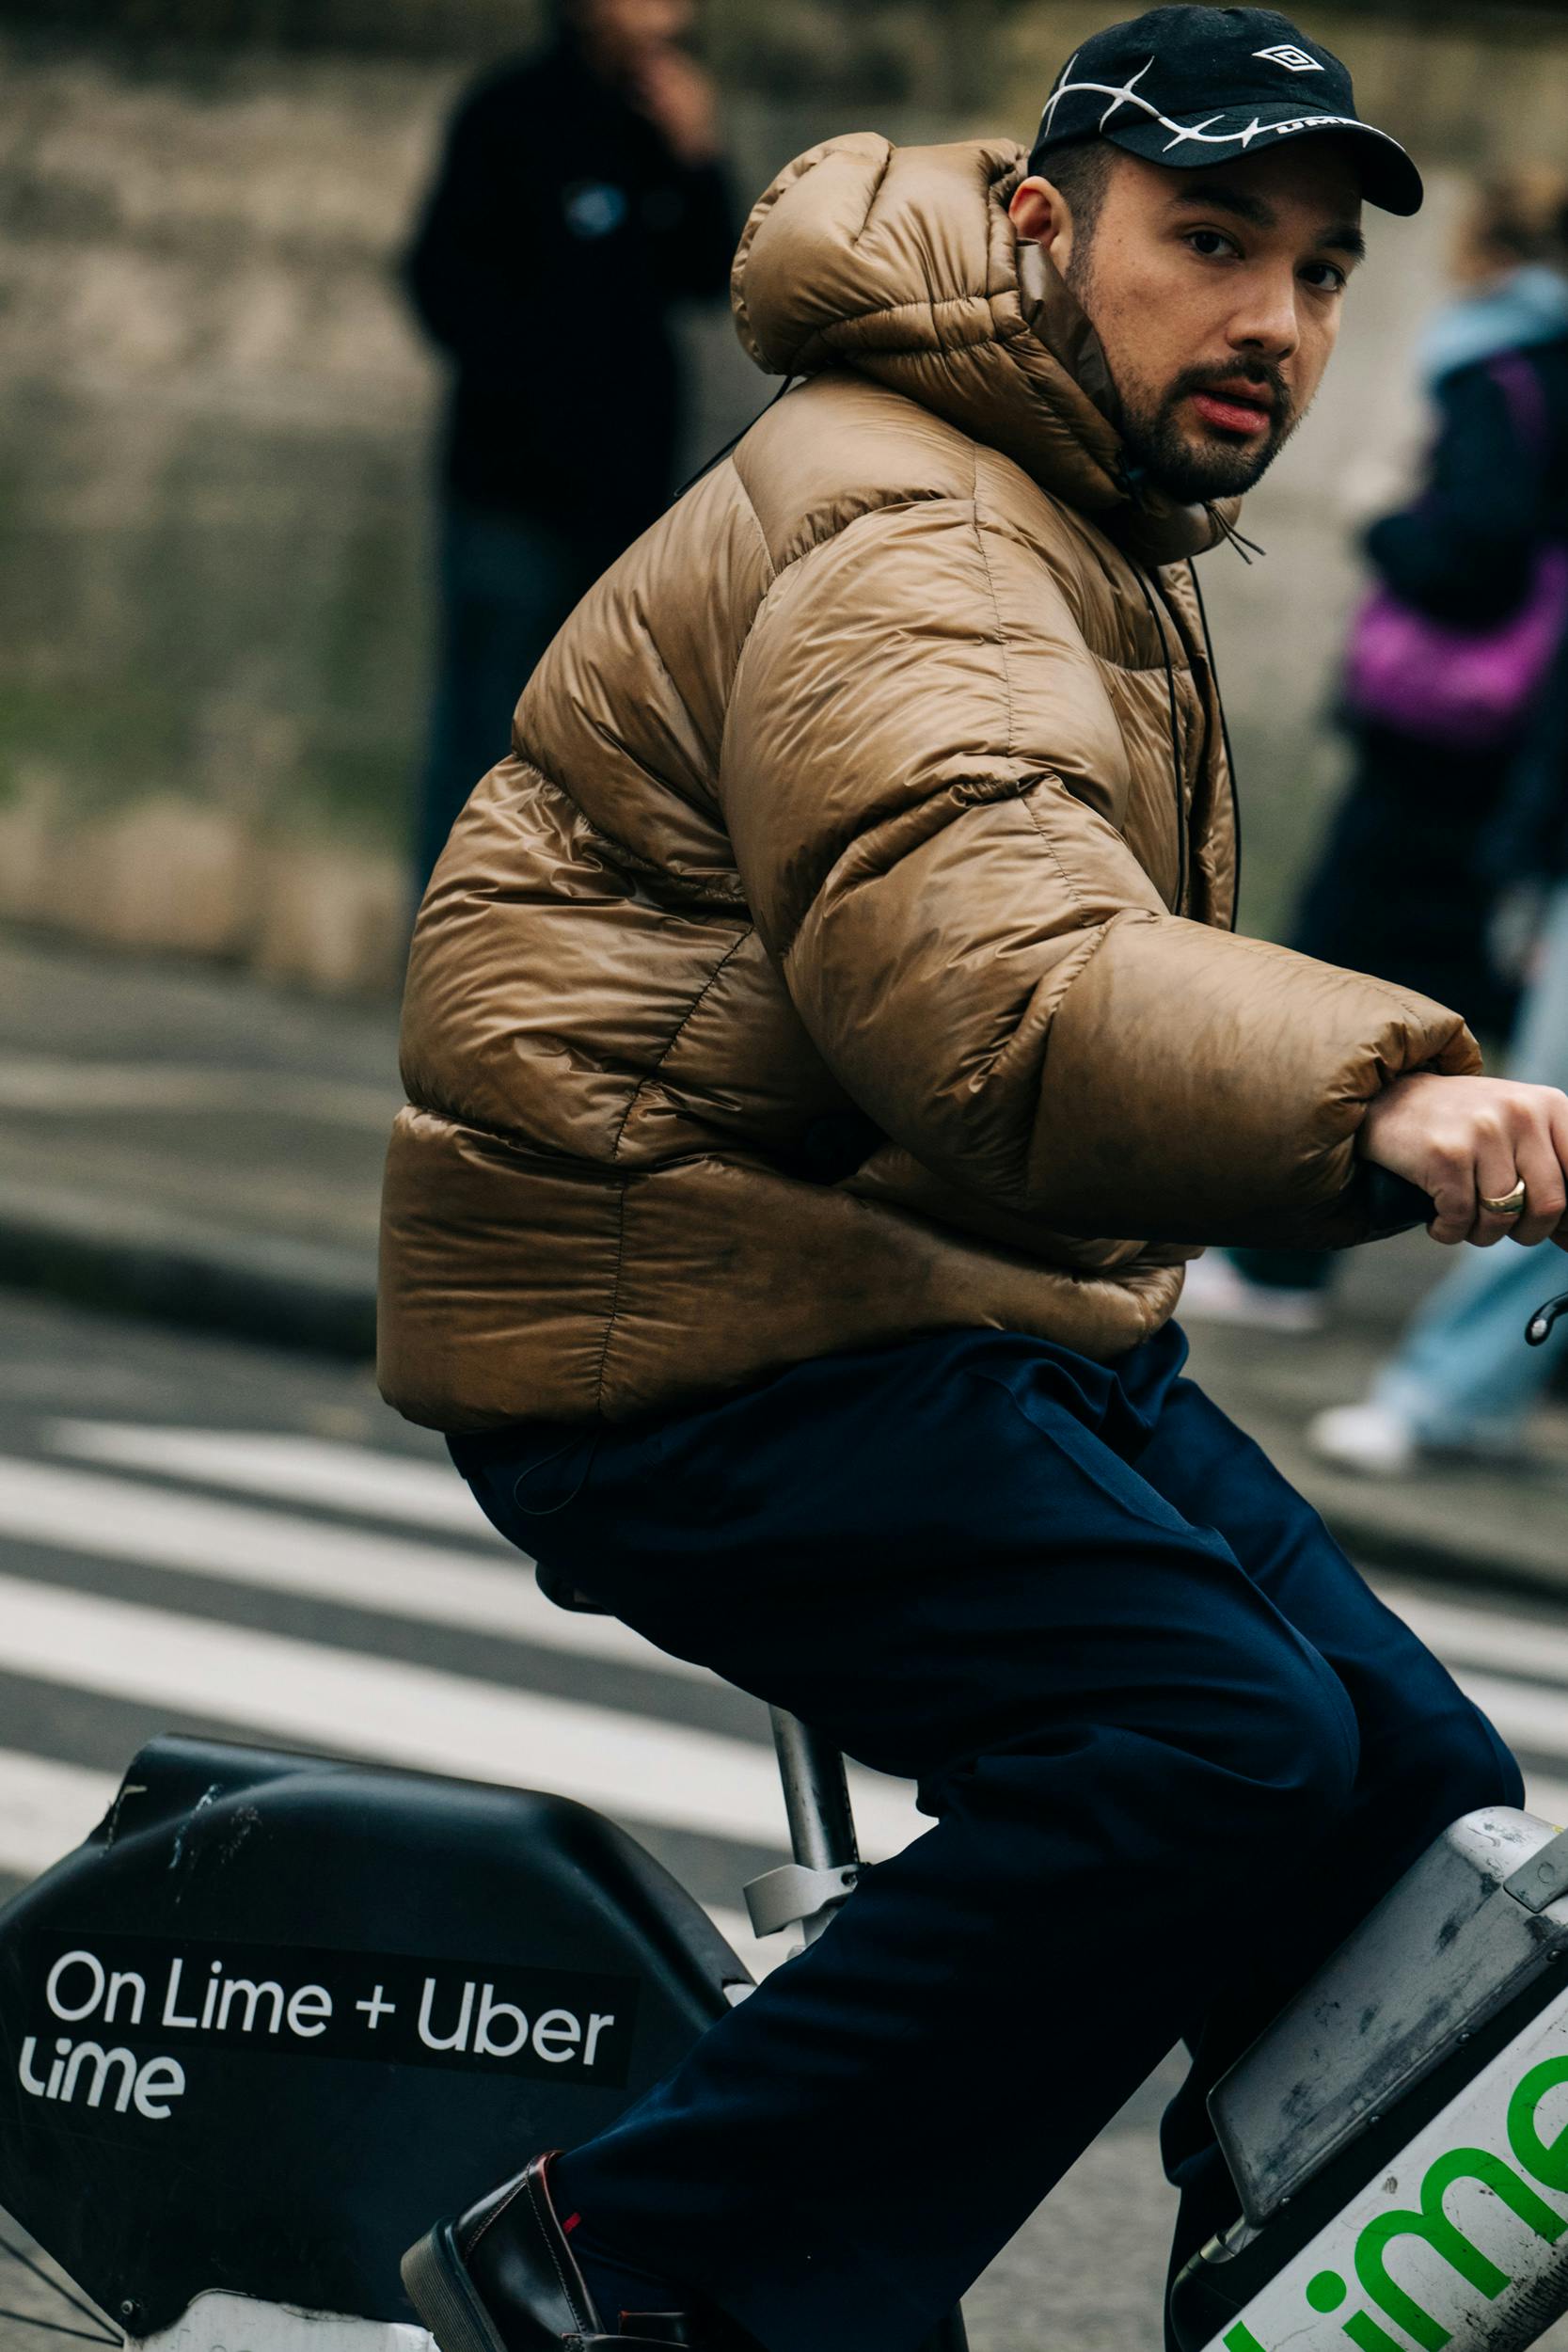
1546	2161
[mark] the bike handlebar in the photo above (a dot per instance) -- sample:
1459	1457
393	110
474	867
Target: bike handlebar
1394	1204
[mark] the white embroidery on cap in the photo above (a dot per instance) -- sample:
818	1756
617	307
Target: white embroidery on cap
1295	60
1126	95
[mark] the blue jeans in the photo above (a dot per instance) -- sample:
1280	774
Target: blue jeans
507	584
1173	1747
1462	1371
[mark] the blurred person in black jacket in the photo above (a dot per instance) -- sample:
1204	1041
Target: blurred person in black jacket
583	184
1406	883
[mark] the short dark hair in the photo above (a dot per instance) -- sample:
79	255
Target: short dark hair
1082	174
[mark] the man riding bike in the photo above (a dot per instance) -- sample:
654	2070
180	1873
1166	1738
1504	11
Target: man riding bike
827	1041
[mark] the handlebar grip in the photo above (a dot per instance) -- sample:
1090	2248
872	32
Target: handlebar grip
1394	1205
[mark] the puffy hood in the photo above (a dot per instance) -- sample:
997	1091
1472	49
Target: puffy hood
903	264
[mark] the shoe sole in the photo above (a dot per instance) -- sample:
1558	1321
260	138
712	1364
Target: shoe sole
445	2297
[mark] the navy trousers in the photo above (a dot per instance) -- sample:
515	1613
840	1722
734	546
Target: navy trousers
1173	1746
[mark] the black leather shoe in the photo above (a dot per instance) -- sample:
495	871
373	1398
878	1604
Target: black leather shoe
502	2278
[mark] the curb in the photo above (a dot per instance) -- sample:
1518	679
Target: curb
315	1297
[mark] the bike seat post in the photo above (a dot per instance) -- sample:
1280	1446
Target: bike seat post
823	1876
807	1892
816	1794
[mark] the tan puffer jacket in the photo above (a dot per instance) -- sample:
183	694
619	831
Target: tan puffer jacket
844	943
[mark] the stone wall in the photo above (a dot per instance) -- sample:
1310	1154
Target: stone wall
211	424
214	420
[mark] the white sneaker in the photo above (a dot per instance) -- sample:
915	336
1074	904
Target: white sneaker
1381	1442
1365	1437
1217	1291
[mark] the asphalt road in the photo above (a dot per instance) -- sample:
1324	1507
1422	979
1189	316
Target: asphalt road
199	1536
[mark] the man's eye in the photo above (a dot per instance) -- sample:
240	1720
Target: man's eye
1209	242
1325	279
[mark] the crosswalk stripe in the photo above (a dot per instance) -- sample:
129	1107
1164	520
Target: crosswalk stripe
1548	1798
377	1484
629	1766
1529	1715
289	1469
1479	1637
118	1518
122	1519
698	1780
47	1808
374	1484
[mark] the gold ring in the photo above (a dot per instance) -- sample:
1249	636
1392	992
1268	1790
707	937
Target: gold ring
1512	1203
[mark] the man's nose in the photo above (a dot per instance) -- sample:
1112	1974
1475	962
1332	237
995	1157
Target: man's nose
1268	323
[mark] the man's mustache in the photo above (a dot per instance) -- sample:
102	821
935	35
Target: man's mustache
1254	372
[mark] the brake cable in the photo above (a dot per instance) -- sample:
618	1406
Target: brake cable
1542	1322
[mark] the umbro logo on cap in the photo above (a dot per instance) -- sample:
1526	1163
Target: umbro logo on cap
1296	60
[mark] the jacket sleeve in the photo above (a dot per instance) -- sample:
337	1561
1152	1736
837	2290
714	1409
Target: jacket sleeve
923	775
1464	551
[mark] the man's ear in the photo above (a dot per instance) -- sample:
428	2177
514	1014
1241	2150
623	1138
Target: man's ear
1040	213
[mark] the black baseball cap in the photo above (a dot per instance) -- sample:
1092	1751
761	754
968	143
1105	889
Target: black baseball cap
1189	86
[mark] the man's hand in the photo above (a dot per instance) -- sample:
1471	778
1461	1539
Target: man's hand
1461	1138
678	98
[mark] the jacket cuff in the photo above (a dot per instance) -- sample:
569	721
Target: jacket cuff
1201	1088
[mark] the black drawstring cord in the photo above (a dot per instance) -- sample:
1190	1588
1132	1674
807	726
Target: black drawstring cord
734	442
1177	747
1131	479
1247	548
1225	737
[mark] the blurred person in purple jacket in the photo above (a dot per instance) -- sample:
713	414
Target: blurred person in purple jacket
585	181
1406	883
1462	1382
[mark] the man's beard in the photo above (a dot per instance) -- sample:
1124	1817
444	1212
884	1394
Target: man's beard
1190	470
1193	472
